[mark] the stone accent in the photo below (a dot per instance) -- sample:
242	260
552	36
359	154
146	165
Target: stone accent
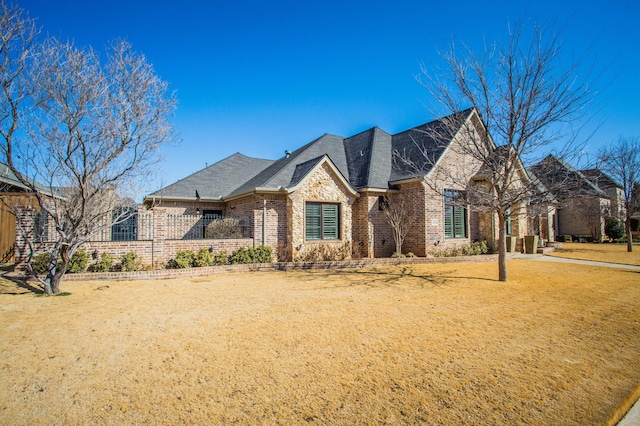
321	186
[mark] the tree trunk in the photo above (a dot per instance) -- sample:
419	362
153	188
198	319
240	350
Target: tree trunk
502	248
55	282
627	225
399	241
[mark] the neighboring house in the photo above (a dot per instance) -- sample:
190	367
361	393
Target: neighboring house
14	194
332	192
613	190
584	198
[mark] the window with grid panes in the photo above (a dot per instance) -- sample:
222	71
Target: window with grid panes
322	221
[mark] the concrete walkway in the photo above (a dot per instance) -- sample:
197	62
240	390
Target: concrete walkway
632	418
544	258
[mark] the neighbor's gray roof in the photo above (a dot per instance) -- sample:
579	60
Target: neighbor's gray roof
563	180
600	179
365	160
216	180
7	177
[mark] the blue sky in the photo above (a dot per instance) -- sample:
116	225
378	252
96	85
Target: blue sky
264	77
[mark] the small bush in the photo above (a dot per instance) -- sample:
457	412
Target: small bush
410	254
221	258
397	255
130	262
241	255
40	263
282	252
204	257
614	228
104	264
324	252
184	259
78	262
262	254
228	227
473	249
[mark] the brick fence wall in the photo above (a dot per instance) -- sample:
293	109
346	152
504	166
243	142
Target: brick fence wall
156	251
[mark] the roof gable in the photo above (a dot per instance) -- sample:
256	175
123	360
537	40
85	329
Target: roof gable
600	179
422	147
280	173
308	168
563	180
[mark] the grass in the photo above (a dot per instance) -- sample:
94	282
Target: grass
430	344
613	253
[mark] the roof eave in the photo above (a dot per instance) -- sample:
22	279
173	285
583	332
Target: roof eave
153	198
407	180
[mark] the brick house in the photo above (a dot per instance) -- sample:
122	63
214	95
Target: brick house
583	198
332	190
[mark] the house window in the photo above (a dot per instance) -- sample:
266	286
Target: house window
455	214
41	225
322	221
125	224
383	202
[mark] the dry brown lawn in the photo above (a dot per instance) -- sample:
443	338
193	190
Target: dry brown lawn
430	344
613	253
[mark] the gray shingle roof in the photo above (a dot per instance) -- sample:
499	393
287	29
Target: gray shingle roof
217	180
422	146
563	180
365	160
7	177
281	172
600	179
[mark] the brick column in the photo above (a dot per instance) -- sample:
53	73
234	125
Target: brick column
158	236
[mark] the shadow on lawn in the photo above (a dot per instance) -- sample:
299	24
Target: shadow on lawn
11	285
403	276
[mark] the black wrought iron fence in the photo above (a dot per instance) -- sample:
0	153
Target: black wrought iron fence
209	226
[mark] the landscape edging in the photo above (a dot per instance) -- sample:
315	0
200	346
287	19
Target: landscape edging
278	266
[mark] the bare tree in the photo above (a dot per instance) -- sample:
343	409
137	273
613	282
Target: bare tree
397	212
621	161
521	93
87	131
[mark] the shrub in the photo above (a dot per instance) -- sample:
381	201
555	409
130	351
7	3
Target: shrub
397	255
78	262
221	258
40	263
130	262
262	254
184	259
282	254
325	252
241	255
614	228
473	249
204	257
410	254
228	227
104	264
